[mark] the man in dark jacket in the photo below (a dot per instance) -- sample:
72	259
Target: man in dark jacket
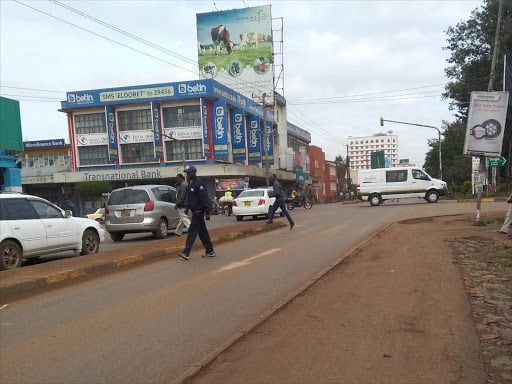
280	202
182	204
199	204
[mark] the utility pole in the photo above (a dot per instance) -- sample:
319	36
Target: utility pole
490	88
265	138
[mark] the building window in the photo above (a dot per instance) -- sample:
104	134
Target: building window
136	120
179	117
90	123
333	171
316	164
334	187
193	149
137	153
94	155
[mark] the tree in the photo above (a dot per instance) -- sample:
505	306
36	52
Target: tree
470	44
456	166
91	189
341	170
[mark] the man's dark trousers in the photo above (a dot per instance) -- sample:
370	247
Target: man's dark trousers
198	226
279	204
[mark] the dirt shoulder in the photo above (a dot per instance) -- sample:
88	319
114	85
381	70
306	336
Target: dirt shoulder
395	312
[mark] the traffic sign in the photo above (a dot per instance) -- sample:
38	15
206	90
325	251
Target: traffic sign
497	162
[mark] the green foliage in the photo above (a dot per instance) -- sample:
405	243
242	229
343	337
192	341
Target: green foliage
466	187
341	170
456	167
504	188
90	189
470	45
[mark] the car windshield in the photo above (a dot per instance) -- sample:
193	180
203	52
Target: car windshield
254	193
128	196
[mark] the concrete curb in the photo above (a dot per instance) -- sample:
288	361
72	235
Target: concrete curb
212	356
484	200
32	285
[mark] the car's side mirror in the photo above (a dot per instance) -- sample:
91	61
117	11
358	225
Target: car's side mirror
68	214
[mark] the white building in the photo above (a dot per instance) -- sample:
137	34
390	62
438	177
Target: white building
360	149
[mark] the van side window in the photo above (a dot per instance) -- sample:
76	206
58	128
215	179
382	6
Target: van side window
396	176
419	175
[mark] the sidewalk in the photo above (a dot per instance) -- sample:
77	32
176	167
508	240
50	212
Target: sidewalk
30	279
395	312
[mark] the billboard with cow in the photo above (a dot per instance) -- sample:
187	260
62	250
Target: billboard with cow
235	48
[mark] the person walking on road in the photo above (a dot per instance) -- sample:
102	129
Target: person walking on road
280	202
508	218
199	204
182	204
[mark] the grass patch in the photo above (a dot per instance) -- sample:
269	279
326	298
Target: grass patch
247	56
479	224
488	221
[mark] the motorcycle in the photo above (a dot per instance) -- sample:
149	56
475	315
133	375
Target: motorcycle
216	209
293	203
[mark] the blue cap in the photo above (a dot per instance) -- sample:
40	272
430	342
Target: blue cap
190	168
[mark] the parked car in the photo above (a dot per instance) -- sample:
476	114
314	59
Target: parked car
99	215
31	227
378	185
141	208
253	202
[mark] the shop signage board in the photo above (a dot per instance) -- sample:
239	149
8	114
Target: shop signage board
192	133
486	123
254	139
238	138
270	144
234	184
129	137
113	151
220	129
204	122
93	139
56	143
157	134
235	47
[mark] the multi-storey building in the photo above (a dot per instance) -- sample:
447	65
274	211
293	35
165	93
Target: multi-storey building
361	148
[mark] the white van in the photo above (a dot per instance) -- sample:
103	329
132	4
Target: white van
378	185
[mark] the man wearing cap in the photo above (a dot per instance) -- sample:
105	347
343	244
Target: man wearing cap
199	204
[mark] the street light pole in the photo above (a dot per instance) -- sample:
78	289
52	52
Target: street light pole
382	120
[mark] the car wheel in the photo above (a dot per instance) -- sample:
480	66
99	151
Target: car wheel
375	200
162	229
290	206
117	236
11	255
239	218
308	205
90	243
432	196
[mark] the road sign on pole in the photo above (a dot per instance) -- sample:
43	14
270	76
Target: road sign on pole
497	162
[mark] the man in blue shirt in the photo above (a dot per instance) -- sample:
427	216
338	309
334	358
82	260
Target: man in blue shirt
199	204
279	203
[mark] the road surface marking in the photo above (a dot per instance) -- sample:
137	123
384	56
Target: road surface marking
248	261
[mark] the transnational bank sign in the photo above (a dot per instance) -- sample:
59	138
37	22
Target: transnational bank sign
164	92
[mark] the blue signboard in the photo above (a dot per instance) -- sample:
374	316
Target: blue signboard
220	131
270	144
238	134
204	120
57	143
113	151
155	116
254	139
166	91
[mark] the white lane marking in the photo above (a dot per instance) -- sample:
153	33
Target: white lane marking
4	306
248	261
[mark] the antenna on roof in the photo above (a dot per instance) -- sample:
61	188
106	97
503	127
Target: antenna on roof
390	132
215	5
245	4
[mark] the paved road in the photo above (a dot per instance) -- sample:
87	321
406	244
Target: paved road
129	240
149	324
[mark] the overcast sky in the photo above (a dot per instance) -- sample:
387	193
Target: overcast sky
339	48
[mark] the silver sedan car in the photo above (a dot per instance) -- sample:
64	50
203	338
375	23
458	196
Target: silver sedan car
141	208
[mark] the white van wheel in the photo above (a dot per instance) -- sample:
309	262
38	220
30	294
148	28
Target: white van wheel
432	196
375	200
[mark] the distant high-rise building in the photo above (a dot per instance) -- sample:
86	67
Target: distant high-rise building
361	148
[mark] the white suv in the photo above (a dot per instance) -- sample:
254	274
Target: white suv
31	227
